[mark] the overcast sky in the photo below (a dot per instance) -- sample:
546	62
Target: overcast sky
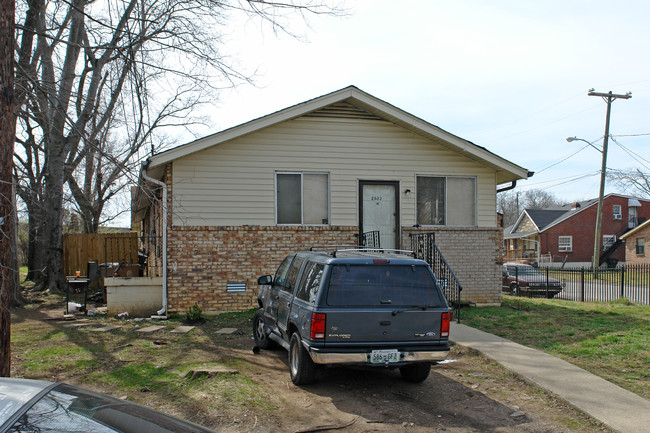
511	76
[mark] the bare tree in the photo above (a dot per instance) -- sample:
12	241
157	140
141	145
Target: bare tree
633	181
96	80
512	203
7	215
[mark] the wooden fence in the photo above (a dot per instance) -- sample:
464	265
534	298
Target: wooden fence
80	249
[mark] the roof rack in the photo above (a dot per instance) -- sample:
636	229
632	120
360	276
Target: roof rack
359	249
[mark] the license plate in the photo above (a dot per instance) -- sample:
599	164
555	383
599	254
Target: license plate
384	356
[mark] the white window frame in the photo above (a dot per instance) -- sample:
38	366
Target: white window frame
565	244
608	241
617	211
302	208
446	215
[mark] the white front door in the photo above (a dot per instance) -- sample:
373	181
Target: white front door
379	211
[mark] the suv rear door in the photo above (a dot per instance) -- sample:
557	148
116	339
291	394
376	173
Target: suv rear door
383	303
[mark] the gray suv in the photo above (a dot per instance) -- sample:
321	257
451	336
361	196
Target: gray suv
351	306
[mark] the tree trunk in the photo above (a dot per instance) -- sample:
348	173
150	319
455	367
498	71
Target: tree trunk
54	216
7	135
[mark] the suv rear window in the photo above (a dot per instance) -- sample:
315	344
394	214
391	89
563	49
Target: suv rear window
369	285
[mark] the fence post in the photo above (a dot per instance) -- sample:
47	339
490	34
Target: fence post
622	281
582	284
546	283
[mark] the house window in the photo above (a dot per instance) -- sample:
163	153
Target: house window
449	201
608	241
302	198
617	212
565	243
640	246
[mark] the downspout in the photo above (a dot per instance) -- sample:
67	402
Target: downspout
145	165
513	184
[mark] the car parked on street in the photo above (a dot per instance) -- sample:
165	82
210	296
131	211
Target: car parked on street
39	406
524	280
352	306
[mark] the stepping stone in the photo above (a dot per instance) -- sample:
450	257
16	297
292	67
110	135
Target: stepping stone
210	372
183	329
78	325
105	328
227	331
72	319
150	329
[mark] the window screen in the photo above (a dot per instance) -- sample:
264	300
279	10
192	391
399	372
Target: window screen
431	200
302	198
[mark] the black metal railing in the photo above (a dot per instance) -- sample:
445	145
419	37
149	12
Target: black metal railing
424	247
630	282
371	239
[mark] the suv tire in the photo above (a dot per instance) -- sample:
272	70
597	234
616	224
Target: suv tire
301	367
260	336
415	372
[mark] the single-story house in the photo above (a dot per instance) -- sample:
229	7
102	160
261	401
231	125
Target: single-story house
323	172
637	245
565	233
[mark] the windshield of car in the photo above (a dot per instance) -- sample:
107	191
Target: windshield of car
71	409
523	270
371	285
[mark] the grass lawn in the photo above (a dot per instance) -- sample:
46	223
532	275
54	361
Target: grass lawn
611	340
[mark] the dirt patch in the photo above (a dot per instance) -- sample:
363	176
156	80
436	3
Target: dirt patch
470	394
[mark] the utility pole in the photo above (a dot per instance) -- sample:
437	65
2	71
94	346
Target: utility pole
7	136
608	98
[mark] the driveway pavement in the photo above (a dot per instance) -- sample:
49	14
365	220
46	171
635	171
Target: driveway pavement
614	406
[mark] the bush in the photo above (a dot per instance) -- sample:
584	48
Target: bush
194	314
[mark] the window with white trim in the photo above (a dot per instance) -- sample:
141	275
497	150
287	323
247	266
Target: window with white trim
565	243
618	214
608	241
447	201
640	246
302	198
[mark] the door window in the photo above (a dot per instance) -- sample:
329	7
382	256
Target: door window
292	277
280	279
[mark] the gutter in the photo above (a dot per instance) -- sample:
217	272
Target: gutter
513	184
161	184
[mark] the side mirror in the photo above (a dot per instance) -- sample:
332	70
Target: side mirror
265	280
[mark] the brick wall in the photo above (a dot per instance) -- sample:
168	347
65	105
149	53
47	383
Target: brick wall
631	257
203	260
475	256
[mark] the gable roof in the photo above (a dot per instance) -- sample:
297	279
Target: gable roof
636	230
548	217
351	101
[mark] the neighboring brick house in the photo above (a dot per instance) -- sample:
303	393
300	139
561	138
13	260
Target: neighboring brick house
566	233
323	172
637	245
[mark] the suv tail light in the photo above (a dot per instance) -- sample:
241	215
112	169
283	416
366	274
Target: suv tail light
318	326
444	324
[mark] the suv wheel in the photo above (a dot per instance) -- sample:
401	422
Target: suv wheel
260	336
415	372
513	289
302	368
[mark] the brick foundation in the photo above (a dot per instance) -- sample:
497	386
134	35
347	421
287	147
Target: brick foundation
203	260
475	257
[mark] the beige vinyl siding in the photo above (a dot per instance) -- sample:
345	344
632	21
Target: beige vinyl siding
233	183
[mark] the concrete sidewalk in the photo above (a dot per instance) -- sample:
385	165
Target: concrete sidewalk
620	409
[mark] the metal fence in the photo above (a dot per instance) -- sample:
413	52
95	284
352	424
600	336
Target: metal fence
631	282
424	247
